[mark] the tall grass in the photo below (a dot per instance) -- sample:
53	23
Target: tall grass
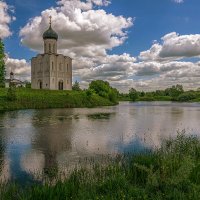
35	99
170	172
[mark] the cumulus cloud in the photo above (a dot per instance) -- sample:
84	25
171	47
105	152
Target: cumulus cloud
21	68
173	46
87	5
82	31
5	19
87	33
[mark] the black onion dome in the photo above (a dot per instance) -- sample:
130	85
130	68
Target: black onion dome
50	34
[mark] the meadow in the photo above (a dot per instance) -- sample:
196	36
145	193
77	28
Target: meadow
169	172
26	98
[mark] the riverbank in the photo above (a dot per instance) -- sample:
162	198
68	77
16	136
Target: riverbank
40	99
170	172
170	94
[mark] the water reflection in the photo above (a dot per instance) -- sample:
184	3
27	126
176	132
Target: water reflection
53	141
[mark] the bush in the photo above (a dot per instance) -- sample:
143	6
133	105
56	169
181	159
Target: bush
103	89
90	92
187	96
133	94
76	86
11	94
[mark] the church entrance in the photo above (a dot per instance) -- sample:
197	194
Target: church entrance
40	84
60	85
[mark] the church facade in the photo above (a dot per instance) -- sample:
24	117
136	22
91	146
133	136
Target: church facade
51	70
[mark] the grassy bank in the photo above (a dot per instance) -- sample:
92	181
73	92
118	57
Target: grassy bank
37	99
171	172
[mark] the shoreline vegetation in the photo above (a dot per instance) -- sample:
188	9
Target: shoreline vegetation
169	172
42	99
175	93
99	93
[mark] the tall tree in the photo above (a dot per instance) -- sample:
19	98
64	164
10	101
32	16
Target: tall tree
2	65
133	94
76	86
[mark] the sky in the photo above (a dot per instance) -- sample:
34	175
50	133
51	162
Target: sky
143	44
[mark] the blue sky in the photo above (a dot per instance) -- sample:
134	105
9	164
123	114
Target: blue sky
151	21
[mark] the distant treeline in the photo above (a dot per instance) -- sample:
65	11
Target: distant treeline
174	93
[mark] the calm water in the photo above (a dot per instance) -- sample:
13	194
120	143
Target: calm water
35	140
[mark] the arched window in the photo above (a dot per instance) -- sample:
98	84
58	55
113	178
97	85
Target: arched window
54	48
52	66
67	67
60	85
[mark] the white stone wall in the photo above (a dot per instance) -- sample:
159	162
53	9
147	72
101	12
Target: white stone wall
50	46
50	69
61	70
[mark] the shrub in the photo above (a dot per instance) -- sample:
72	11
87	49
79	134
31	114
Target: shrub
133	94
187	96
11	94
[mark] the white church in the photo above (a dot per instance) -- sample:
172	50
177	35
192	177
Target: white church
51	70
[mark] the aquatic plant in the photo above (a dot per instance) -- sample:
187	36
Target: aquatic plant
170	172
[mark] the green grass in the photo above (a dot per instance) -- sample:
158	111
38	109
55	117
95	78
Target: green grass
170	172
38	99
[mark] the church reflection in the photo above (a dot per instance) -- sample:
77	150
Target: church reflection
56	138
2	149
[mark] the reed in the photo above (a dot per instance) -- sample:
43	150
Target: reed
170	172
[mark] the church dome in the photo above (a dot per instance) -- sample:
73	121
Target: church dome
50	34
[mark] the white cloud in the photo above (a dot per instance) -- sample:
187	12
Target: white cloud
173	47
5	19
82	32
178	1
21	68
86	34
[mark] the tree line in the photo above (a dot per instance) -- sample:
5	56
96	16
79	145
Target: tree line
103	89
173	93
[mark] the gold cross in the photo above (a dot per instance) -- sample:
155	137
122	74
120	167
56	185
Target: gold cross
50	17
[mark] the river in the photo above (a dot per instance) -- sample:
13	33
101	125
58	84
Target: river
32	141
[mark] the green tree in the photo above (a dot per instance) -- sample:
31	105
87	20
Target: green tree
174	91
100	87
133	94
142	94
76	86
103	89
2	65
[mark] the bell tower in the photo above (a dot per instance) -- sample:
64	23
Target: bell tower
50	38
